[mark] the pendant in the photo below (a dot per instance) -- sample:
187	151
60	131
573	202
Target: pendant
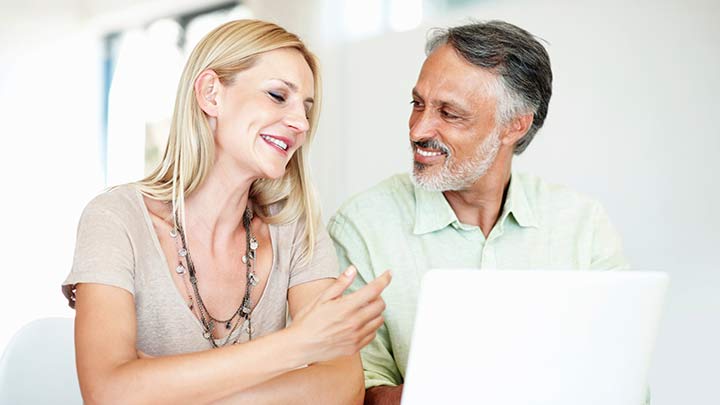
227	325
180	269
173	233
253	279
244	259
182	252
252	255
207	334
253	243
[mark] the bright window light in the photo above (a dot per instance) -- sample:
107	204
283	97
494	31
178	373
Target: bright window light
405	15
126	105
363	18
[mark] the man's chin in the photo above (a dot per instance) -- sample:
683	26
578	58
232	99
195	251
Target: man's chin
419	167
426	181
434	179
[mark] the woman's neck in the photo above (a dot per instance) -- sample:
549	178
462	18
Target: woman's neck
214	211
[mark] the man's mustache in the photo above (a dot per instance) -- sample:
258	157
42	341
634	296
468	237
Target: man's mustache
431	144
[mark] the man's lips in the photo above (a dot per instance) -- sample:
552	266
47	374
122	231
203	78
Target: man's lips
428	156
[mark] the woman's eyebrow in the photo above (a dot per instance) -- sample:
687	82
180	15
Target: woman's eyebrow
292	86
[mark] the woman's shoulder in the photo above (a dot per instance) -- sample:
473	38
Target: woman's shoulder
290	227
123	201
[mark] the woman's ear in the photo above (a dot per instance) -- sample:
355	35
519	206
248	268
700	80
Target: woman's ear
207	86
517	128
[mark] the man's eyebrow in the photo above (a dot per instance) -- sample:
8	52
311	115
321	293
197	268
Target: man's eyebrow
292	86
459	108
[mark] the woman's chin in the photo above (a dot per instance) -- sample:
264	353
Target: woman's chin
273	173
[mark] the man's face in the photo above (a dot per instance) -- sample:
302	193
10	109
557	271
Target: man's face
453	131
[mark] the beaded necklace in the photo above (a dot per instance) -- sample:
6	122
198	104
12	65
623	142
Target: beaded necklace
244	311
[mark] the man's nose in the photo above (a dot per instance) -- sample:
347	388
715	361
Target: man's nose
422	126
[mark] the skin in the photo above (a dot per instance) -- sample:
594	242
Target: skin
328	328
452	103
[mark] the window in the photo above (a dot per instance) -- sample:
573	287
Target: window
142	69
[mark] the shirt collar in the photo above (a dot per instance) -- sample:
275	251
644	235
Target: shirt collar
517	203
433	212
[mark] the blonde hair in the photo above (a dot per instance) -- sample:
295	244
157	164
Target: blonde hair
189	154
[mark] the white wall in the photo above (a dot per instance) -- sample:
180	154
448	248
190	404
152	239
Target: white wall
49	159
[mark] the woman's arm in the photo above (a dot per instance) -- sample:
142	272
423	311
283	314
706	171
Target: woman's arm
110	372
338	381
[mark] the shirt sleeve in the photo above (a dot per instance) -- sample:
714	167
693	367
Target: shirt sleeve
607	253
377	357
103	252
323	263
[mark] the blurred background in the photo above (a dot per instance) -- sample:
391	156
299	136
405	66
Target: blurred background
87	89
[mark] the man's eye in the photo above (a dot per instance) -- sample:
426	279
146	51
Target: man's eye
277	96
416	104
448	115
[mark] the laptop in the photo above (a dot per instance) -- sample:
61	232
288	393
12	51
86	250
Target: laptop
534	337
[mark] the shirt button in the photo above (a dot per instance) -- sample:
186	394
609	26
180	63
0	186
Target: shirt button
488	258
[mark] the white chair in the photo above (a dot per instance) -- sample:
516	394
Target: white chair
38	365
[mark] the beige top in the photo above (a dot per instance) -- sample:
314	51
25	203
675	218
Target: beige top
117	246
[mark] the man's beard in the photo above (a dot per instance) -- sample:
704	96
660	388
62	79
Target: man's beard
456	175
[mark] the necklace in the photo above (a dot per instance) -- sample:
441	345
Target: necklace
244	311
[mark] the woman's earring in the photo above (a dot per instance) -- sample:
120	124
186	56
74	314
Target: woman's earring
213	123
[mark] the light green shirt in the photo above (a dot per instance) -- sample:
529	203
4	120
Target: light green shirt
398	226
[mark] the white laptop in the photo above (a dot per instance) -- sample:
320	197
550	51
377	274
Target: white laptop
534	337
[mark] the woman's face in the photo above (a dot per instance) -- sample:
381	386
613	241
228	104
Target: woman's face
262	117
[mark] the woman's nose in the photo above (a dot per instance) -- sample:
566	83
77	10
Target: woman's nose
298	121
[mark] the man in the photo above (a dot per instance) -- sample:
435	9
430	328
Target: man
481	97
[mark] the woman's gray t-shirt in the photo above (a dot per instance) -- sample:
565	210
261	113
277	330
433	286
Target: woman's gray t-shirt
117	246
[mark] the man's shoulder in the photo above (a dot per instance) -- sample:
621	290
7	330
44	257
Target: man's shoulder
554	199
390	196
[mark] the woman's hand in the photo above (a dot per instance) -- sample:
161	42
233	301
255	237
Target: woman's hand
335	325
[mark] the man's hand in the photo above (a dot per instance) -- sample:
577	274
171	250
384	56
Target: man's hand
383	395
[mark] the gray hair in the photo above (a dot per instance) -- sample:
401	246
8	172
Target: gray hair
519	61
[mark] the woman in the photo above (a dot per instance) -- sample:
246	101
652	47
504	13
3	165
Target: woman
211	248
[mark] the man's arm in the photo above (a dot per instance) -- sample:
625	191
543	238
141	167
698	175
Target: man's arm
377	357
607	252
383	395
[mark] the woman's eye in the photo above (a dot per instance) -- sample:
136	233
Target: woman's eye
277	96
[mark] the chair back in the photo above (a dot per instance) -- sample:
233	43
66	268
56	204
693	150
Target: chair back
38	365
